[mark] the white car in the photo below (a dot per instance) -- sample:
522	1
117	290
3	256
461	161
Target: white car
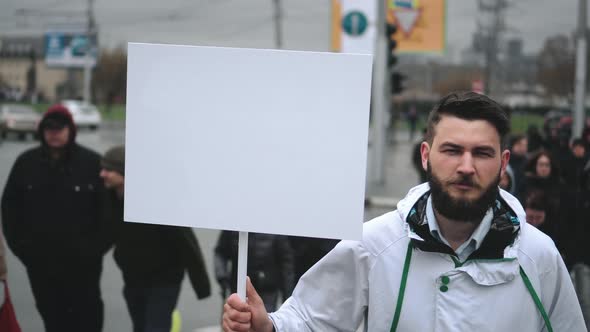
84	114
18	119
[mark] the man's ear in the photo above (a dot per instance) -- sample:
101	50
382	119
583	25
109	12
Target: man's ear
505	159
424	152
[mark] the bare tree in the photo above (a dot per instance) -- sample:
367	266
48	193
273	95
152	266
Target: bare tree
110	76
457	80
556	64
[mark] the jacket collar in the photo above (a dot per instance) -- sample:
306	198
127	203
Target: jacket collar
500	242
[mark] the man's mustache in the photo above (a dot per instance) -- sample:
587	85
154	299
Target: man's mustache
465	180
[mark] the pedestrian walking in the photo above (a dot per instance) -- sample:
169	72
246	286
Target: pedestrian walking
417	160
152	258
270	265
412	120
518	158
577	214
456	255
51	220
308	251
542	175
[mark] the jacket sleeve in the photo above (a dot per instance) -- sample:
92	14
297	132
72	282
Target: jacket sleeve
12	211
222	258
194	262
286	260
107	221
559	298
102	237
331	296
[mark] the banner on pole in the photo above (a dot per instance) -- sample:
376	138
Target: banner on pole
353	26
421	25
70	49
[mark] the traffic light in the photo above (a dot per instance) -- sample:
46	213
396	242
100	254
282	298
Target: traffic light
397	82
390	30
397	78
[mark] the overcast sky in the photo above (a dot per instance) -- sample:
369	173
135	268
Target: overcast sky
249	23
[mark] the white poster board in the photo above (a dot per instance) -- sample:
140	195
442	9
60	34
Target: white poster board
250	140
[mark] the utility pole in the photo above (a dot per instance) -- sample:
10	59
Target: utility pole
580	89
493	36
90	32
278	18
380	96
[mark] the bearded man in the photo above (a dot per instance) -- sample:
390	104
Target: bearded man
456	255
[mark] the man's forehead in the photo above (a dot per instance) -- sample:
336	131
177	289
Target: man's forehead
454	130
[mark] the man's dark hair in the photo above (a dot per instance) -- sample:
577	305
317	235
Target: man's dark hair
469	105
514	139
578	141
536	200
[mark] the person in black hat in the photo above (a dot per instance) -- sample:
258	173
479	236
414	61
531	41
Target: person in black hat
152	258
50	217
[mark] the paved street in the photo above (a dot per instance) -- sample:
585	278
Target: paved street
195	314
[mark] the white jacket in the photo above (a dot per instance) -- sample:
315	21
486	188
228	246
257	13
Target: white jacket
362	279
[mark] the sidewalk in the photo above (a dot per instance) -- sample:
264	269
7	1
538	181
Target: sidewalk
400	175
208	329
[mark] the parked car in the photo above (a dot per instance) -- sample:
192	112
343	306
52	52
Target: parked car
19	119
84	114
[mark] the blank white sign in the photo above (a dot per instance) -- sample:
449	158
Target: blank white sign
250	140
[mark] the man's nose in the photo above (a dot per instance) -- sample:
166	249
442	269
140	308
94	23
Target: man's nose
466	164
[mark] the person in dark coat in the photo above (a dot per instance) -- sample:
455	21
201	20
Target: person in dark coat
50	214
542	175
535	140
535	205
573	164
270	265
518	158
417	160
152	258
308	251
586	138
576	201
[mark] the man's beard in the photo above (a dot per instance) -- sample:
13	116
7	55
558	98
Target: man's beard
457	208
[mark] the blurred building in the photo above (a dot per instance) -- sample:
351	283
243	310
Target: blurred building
25	75
430	78
520	68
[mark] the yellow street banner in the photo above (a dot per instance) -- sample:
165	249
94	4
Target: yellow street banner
421	25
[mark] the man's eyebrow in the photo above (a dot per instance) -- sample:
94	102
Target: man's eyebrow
451	145
485	148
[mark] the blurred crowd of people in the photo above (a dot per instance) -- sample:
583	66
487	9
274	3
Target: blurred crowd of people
62	211
550	176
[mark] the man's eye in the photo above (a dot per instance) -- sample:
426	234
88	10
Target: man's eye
451	151
485	154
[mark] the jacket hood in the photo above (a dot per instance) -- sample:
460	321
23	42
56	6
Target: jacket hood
501	240
510	173
60	113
